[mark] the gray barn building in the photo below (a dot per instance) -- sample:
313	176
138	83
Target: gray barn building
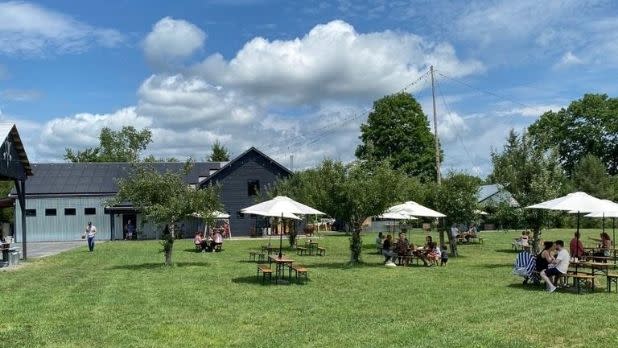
61	198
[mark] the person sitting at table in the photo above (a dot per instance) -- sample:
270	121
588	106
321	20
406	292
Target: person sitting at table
605	244
576	247
379	241
386	249
199	241
218	239
545	257
434	253
402	246
558	267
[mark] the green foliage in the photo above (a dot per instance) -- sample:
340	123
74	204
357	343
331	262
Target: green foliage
457	198
114	146
164	199
349	193
587	127
530	174
6	215
219	153
398	130
589	175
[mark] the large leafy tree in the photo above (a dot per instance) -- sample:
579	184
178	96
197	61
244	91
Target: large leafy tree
588	126
164	199
219	153
531	174
589	175
349	193
398	130
124	145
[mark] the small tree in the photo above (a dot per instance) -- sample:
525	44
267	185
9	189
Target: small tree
219	153
165	199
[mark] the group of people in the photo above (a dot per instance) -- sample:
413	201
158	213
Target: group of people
208	243
554	260
430	253
471	232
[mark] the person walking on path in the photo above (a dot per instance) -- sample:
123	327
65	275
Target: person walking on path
91	231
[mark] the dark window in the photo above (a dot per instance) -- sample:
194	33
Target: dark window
50	212
30	212
70	211
240	215
253	187
90	211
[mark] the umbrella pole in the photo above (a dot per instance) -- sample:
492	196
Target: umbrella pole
281	237
603	224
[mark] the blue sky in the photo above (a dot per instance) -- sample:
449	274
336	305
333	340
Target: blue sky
294	78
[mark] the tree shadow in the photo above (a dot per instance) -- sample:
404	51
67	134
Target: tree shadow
254	280
343	265
541	288
496	265
159	265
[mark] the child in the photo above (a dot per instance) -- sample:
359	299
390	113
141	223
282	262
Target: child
444	256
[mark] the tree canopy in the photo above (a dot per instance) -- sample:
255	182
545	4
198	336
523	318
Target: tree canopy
588	126
124	145
397	130
590	176
219	153
165	198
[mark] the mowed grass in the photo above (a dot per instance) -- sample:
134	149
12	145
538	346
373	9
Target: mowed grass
121	295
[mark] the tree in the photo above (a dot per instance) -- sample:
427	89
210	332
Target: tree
349	193
164	199
457	200
219	153
589	176
124	145
587	126
398	130
530	174
6	215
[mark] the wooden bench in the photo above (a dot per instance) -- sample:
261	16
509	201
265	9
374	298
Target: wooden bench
300	271
580	279
257	256
321	251
301	250
265	270
612	279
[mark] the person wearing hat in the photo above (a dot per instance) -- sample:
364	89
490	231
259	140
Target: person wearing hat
91	231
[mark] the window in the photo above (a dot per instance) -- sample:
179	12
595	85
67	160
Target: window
50	212
70	211
253	187
240	215
90	211
30	212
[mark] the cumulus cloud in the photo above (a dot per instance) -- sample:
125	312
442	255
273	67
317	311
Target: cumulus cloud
30	29
530	111
186	101
568	59
332	61
171	40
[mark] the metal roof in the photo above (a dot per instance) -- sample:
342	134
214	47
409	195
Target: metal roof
10	130
98	178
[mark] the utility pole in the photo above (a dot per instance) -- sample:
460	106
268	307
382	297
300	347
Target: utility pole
435	127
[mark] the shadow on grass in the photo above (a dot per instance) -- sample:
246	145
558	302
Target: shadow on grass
192	250
254	280
508	251
541	288
344	265
496	265
159	265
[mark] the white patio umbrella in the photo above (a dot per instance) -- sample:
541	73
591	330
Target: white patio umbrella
215	214
279	206
414	209
579	202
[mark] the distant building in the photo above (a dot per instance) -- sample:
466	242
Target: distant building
61	198
493	195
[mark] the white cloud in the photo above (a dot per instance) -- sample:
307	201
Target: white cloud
186	101
171	40
568	59
332	61
451	126
30	29
530	111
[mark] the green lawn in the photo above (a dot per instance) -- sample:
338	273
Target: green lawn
121	296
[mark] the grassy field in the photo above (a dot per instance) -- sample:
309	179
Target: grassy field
120	295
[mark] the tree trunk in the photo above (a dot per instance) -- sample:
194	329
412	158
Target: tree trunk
356	244
536	238
168	256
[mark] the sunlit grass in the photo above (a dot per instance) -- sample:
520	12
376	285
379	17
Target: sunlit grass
121	295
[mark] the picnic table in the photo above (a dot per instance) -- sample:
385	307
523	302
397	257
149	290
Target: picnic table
270	249
312	247
280	263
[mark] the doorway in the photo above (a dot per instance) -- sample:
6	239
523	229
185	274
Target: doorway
125	221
